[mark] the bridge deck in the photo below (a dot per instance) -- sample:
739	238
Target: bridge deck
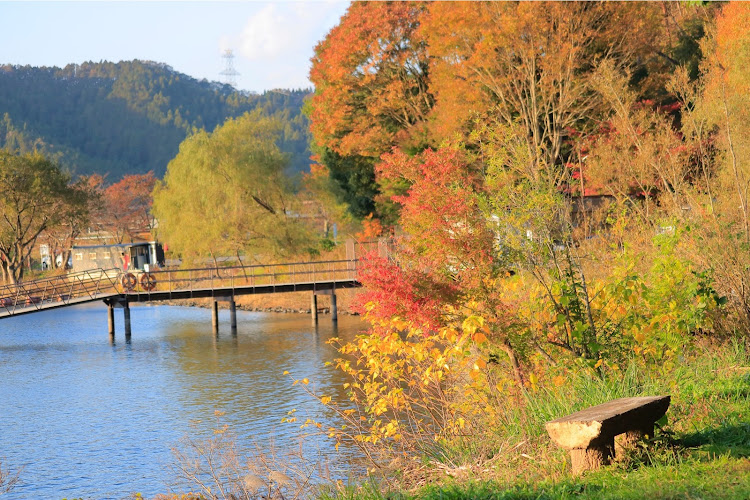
199	293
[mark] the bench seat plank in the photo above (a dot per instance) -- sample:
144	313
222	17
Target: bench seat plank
581	429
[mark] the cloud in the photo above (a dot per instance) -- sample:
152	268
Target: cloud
287	29
274	47
267	34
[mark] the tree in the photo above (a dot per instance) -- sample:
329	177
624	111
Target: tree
324	198
126	208
714	121
87	196
35	195
371	77
528	63
637	154
352	181
226	192
727	101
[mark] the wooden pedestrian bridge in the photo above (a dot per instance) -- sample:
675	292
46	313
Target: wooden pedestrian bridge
118	289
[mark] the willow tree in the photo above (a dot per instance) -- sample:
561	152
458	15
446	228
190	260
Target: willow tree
225	193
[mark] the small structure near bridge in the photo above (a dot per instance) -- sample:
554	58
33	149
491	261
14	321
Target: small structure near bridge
126	256
590	434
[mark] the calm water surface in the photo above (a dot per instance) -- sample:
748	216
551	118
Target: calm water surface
87	417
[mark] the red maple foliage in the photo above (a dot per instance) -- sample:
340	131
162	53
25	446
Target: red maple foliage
447	246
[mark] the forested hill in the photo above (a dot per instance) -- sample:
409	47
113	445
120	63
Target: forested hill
128	117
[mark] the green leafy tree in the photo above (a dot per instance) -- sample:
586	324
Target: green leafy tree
226	193
35	195
324	199
353	181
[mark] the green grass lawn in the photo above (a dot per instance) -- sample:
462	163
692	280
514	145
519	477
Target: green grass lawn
721	477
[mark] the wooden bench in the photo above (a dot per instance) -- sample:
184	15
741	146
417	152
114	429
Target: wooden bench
590	434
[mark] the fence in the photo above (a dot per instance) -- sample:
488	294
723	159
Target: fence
233	277
64	288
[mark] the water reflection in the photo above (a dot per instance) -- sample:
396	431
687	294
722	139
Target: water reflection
89	415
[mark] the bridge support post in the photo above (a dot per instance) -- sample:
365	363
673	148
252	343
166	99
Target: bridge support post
215	316
314	308
126	315
334	309
111	318
233	314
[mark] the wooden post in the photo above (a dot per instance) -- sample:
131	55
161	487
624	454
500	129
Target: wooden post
215	316
314	308
233	313
126	315
592	458
111	318
627	441
334	309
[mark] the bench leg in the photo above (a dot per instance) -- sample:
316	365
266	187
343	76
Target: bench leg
628	440
593	457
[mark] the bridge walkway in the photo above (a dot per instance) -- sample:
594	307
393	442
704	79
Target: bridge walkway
115	287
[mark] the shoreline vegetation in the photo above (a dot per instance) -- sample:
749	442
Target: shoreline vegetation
701	450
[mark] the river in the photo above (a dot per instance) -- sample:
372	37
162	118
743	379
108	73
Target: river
82	416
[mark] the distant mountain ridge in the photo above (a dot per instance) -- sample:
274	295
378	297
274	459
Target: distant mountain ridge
129	117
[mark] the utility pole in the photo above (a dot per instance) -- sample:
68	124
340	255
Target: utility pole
229	73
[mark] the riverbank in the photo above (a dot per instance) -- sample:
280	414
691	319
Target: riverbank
291	302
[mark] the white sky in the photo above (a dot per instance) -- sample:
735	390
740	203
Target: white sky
272	41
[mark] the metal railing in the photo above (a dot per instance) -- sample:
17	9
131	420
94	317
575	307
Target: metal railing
65	288
102	283
242	276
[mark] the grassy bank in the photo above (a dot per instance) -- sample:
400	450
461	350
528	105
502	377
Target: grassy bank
703	451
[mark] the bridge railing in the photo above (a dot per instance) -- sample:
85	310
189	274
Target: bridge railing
63	288
96	283
173	280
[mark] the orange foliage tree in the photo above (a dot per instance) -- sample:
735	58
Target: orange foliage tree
371	77
415	74
529	63
715	117
126	210
371	80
